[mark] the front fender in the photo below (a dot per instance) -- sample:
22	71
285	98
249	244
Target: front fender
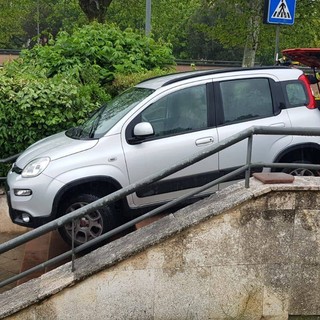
109	171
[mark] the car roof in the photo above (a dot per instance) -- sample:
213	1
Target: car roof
307	56
161	81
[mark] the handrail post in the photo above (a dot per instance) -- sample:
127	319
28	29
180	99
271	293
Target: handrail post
249	155
72	246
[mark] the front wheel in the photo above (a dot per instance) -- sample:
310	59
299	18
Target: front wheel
91	225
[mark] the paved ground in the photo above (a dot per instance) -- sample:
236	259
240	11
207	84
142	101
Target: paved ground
10	262
29	255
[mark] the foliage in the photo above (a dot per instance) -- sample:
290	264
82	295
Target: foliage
233	26
53	87
33	108
170	19
200	29
11	27
25	22
125	81
104	49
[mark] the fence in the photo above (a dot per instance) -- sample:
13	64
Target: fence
107	200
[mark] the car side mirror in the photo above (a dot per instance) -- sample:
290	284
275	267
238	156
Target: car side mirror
143	130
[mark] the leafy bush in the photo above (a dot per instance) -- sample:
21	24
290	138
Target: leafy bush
32	109
95	53
53	87
125	81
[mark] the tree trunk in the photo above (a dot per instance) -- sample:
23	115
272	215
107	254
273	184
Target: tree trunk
249	56
95	10
252	42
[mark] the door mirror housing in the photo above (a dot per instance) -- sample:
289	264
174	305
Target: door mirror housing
143	130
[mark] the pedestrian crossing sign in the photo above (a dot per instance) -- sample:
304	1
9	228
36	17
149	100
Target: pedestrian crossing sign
279	11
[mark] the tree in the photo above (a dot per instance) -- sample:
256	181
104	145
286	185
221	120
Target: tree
255	8
170	19
12	14
95	9
24	21
239	25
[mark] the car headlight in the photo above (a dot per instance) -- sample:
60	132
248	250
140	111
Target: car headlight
35	167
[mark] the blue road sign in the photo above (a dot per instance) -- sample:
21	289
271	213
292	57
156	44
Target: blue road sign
281	11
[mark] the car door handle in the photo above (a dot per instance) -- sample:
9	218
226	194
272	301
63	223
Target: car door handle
279	124
204	141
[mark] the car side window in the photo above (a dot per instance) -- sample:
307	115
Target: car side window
246	99
296	94
179	112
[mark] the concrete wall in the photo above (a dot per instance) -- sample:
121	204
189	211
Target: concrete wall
240	254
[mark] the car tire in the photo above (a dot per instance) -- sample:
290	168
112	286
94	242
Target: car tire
90	226
301	171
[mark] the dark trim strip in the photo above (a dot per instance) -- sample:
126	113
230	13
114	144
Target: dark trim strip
188	182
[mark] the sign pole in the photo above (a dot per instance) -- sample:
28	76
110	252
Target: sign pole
279	12
277	43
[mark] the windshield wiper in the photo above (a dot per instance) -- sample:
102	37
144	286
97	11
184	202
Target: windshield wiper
96	123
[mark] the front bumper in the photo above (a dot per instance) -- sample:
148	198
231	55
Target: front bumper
16	216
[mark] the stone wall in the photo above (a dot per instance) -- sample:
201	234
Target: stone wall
240	254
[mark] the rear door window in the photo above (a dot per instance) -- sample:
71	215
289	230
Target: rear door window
246	99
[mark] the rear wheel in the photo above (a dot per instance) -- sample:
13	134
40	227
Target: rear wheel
301	171
90	226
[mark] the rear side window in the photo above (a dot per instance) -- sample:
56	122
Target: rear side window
246	99
296	94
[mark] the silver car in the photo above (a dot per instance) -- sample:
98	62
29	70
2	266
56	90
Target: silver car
151	127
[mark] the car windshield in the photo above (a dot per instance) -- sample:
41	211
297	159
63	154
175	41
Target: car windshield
109	114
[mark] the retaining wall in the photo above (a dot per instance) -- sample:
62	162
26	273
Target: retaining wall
240	254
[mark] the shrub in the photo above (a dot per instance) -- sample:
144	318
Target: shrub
95	53
122	82
34	108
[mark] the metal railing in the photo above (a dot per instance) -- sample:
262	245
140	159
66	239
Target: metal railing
211	63
117	195
8	160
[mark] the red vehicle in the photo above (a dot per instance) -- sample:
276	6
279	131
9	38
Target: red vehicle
309	57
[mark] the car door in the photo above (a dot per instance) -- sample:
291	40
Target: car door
180	119
246	102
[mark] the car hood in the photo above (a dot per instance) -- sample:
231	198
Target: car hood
307	56
55	146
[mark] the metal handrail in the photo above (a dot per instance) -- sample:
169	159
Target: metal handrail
8	160
117	195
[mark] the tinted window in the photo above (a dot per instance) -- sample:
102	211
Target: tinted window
178	112
246	99
296	94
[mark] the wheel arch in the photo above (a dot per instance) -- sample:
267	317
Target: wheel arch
300	152
97	185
